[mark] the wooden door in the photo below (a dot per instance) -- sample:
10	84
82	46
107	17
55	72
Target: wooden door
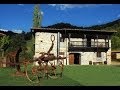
71	59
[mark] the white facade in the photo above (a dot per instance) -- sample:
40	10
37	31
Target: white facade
43	43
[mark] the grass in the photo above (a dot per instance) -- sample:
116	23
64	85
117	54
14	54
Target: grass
73	75
95	75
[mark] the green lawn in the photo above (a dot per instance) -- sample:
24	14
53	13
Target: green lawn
74	75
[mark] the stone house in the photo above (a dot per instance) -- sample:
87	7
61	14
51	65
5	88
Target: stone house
80	46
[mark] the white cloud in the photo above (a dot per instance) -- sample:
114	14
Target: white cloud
20	4
52	4
4	30
17	31
42	12
99	21
65	6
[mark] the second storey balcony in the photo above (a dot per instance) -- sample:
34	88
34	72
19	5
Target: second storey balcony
87	46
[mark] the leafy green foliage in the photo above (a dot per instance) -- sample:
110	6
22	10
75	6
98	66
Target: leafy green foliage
115	42
110	25
36	17
30	49
28	36
17	41
4	43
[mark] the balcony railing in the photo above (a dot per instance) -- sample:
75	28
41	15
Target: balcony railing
88	44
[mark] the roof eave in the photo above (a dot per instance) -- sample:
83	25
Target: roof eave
112	31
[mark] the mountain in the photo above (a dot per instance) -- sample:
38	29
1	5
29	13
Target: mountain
7	32
63	25
113	25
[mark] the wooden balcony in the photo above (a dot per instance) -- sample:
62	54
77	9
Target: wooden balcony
88	46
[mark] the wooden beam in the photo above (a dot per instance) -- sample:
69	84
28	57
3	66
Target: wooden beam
69	36
94	42
84	40
108	40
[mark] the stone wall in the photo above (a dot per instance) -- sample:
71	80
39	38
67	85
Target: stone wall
92	56
43	43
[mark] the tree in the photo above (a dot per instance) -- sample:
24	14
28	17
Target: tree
115	42
4	43
17	41
37	17
28	36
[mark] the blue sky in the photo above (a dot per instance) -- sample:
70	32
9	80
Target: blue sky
17	17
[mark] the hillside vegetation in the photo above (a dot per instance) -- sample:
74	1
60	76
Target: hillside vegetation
114	25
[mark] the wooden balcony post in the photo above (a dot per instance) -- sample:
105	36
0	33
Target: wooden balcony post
108	40
97	40
84	40
105	43
94	42
69	36
58	45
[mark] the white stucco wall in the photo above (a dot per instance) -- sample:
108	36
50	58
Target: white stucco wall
43	43
92	56
64	48
118	55
109	54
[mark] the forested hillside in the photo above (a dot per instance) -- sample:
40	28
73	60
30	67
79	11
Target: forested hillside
63	25
114	25
12	41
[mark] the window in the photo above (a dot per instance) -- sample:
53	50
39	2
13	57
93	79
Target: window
99	54
62	39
